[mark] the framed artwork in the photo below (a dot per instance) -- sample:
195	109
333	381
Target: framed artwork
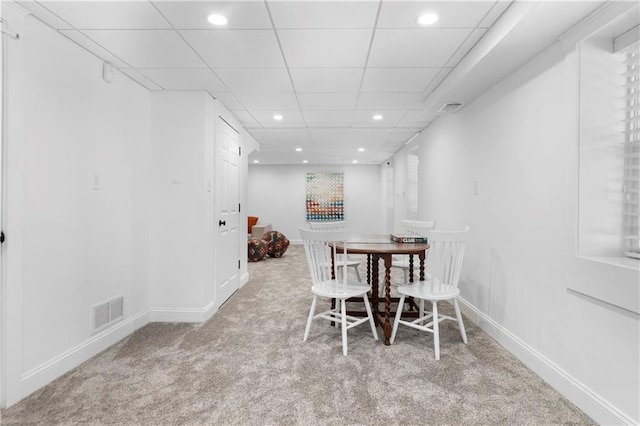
325	196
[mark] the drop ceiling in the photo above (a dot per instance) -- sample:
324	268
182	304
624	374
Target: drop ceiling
326	66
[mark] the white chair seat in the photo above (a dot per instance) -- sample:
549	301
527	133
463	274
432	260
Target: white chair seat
431	290
337	290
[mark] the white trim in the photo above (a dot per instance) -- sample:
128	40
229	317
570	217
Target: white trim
38	377
587	400
183	314
592	23
244	278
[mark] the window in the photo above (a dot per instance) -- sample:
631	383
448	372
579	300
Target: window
631	227
609	179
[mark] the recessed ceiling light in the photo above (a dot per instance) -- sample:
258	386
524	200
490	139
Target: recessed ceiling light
428	19
354	161
256	161
377	117
216	19
361	149
278	117
298	149
305	161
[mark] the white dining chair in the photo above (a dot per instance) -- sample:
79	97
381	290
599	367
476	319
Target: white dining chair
411	227
339	288
444	263
337	226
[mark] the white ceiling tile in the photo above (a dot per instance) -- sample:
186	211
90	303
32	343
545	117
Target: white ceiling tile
330	101
451	14
44	14
193	14
236	48
256	80
94	48
400	135
415	47
322	136
335	125
389	101
139	78
147	48
398	79
184	78
247	120
442	74
466	46
367	136
327	116
289	136
389	118
275	102
290	118
328	145
323	14
228	100
108	15
326	80
325	48
416	116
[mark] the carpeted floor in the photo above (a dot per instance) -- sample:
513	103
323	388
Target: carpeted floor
249	366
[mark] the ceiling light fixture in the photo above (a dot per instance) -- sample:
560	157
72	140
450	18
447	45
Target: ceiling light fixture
305	161
354	161
256	161
216	19
428	19
360	149
278	117
377	117
298	149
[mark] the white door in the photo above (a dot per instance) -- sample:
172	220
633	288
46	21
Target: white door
227	170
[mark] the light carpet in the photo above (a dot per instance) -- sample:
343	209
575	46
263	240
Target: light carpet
248	365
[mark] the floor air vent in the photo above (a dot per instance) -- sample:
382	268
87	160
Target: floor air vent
105	314
451	107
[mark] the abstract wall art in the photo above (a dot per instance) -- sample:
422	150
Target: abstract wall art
325	196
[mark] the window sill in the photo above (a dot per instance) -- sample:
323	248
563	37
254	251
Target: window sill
623	262
612	280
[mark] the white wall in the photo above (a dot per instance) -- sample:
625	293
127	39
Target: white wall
70	243
519	142
276	194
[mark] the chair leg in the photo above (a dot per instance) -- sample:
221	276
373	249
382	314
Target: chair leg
421	313
371	321
436	330
397	320
355	267
460	323
310	319
343	305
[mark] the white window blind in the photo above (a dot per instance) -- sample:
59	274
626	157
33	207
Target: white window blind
631	220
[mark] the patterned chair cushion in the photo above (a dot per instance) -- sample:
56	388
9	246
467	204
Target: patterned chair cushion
277	243
257	249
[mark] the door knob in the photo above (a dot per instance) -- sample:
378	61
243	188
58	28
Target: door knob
222	223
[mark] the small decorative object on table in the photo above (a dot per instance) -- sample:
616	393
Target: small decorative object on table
408	239
277	243
257	249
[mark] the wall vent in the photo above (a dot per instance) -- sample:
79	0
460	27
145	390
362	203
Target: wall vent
451	107
107	313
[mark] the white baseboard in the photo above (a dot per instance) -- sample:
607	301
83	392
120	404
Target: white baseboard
244	278
576	392
43	374
183	315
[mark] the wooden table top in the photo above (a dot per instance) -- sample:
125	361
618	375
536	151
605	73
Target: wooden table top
380	244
